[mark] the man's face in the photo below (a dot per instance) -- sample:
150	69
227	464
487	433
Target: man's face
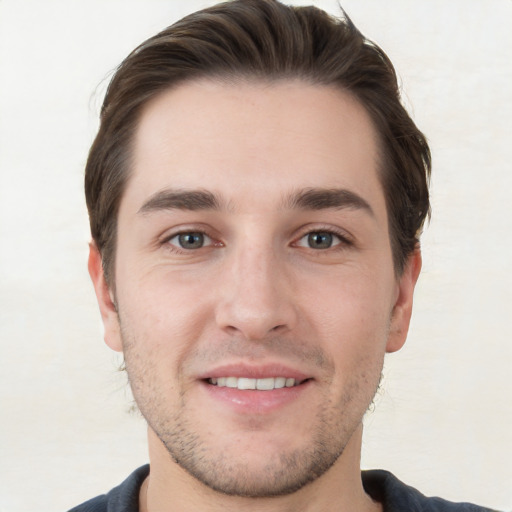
253	251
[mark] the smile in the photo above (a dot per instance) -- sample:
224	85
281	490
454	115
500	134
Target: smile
245	383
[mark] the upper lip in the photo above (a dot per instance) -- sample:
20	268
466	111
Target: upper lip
260	371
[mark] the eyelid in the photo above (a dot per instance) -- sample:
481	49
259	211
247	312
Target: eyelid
344	237
206	239
210	239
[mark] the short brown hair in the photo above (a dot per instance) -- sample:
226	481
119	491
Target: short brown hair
263	40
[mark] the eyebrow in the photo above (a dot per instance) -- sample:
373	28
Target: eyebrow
325	198
172	199
303	199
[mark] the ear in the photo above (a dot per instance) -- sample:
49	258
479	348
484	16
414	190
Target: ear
402	310
105	297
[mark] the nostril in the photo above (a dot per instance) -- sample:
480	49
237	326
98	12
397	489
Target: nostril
231	329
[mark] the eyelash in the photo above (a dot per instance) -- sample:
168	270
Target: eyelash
344	240
181	250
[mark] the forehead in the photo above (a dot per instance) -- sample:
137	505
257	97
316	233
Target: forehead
257	138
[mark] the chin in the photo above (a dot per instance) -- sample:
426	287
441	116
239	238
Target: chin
255	464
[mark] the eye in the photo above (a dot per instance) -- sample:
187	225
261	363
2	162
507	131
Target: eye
190	240
320	240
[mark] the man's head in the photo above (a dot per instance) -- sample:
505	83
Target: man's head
264	189
267	41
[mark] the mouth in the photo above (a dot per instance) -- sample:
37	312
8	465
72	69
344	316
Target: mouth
248	383
255	389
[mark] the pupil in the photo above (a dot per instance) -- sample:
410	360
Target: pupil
320	240
191	240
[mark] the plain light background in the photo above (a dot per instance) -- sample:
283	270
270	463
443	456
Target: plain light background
443	420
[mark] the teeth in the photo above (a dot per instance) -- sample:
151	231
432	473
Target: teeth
244	383
259	384
280	382
265	384
231	382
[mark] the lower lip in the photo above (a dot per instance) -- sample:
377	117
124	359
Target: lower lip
255	401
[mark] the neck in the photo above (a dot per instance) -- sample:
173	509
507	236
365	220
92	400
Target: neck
169	488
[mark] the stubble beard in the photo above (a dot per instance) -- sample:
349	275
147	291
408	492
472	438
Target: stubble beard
284	473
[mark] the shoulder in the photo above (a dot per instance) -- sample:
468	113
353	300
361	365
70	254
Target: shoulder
123	498
396	496
98	504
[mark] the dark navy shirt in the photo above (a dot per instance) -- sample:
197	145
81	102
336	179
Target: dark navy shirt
381	485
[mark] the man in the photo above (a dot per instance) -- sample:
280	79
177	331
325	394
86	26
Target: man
256	192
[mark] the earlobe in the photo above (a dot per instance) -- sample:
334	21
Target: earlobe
402	309
105	299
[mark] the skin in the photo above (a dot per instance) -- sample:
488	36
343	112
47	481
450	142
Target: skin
277	281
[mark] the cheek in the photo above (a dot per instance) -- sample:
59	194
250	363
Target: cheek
349	304
352	318
163	315
356	343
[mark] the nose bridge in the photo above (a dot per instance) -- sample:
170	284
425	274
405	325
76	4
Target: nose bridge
257	297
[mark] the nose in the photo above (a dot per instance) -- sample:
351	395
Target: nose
256	296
